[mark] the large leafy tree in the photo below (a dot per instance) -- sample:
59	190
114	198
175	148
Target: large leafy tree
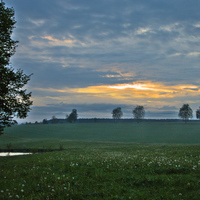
117	113
185	112
139	113
14	100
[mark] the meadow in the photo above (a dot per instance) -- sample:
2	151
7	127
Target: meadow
103	161
42	135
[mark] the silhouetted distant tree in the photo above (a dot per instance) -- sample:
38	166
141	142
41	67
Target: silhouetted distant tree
117	113
14	101
95	119
54	120
73	116
44	121
185	112
198	113
139	113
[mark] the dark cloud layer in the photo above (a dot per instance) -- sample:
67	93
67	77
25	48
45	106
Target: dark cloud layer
128	32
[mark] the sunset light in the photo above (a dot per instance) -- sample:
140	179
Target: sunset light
146	93
136	86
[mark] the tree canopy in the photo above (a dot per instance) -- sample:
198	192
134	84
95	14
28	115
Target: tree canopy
14	100
198	113
73	116
185	112
117	113
139	113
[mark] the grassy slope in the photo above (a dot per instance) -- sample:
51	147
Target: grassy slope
51	135
112	169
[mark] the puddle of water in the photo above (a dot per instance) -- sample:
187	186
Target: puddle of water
13	154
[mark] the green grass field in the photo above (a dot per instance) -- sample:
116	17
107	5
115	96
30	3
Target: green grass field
103	161
38	135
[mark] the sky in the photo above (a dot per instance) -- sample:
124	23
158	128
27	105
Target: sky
94	56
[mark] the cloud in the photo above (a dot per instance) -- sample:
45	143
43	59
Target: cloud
146	93
38	22
162	115
168	108
141	31
57	42
149	49
194	54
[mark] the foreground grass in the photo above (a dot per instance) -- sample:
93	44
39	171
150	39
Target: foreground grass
88	170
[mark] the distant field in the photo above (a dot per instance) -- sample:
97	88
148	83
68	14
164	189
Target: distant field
38	135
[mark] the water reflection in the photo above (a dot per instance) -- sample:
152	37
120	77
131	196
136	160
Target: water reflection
13	154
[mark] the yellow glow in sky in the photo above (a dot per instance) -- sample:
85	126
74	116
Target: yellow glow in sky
135	86
124	93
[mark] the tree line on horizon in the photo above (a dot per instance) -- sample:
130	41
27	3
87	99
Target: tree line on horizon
185	113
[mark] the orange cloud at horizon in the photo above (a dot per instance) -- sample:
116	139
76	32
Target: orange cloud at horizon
140	86
125	93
